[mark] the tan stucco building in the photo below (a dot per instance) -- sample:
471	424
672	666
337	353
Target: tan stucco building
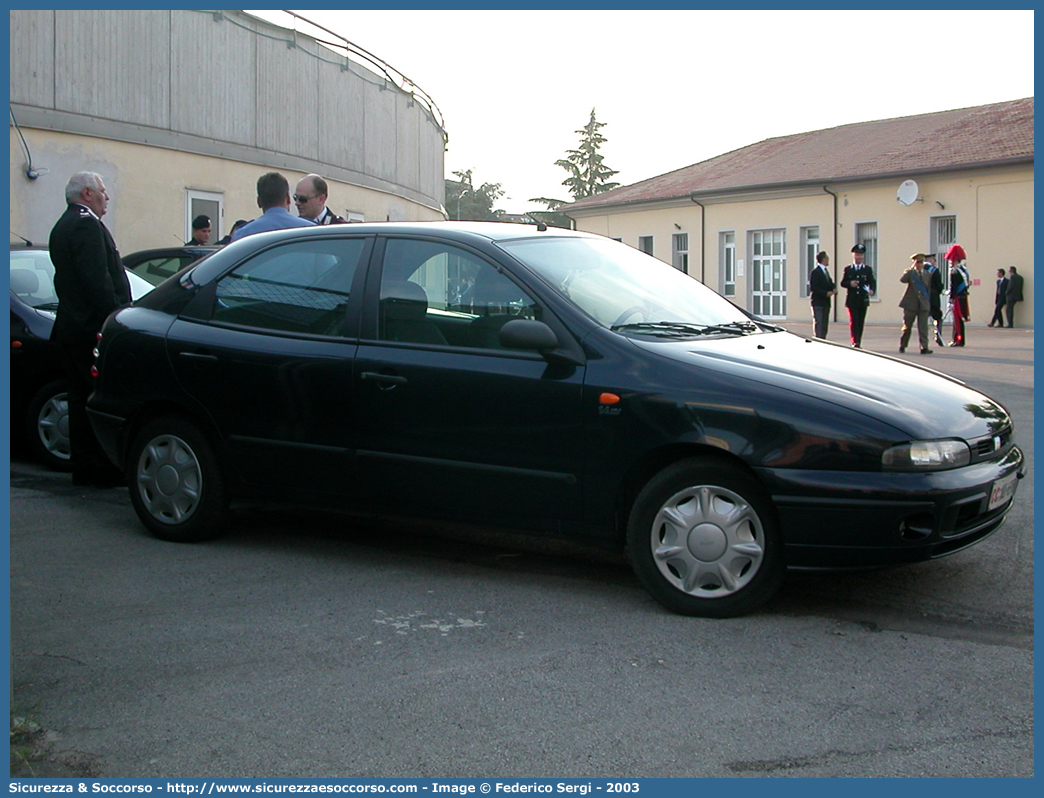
181	111
750	222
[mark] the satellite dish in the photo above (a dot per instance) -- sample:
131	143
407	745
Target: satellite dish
908	192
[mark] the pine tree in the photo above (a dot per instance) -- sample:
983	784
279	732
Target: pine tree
588	174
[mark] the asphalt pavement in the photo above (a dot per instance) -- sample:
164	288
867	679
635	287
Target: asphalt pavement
304	645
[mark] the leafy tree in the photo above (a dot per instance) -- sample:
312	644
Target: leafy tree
588	174
465	202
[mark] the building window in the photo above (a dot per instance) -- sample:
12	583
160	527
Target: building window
943	236
680	252
866	234
354	216
645	244
727	247
809	250
768	264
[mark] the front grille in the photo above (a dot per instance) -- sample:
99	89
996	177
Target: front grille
990	447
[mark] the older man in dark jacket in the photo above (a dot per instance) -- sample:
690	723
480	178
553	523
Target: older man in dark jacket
91	283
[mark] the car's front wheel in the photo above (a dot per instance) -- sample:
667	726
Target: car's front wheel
175	481
47	426
702	539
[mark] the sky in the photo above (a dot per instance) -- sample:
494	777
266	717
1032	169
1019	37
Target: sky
676	87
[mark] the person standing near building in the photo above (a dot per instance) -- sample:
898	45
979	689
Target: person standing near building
935	289
999	300
200	232
90	282
1013	293
821	288
273	198
956	256
310	198
861	284
916	304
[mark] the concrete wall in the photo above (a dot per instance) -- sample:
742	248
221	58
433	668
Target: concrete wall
993	210
164	102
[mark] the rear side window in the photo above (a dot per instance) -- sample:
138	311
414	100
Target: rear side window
300	287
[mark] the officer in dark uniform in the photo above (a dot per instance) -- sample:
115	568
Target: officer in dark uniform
861	284
91	283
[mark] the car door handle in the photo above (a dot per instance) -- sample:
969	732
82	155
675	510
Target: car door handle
383	380
199	357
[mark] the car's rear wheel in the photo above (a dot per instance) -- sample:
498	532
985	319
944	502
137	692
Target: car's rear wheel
702	539
175	481
47	426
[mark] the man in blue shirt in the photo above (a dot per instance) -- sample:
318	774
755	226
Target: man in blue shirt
273	197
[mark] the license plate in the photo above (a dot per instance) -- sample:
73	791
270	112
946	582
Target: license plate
1003	489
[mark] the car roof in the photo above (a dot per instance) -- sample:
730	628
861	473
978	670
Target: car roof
490	231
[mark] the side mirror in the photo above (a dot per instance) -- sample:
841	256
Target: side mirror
528	334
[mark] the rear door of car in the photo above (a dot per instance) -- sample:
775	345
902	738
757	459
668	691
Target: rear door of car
268	351
450	421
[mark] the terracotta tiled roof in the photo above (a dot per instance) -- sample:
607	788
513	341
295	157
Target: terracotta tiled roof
908	145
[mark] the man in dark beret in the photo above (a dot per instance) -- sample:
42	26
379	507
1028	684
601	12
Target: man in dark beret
200	232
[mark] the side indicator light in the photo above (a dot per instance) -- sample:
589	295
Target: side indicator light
608	399
16	344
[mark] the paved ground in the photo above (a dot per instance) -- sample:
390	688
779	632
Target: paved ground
318	646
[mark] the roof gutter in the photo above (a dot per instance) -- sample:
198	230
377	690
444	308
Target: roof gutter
703	239
833	258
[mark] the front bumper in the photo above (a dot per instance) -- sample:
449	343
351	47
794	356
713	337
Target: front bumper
831	519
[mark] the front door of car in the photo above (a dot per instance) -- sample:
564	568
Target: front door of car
268	351
450	421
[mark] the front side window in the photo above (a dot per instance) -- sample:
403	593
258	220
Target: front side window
299	287
436	293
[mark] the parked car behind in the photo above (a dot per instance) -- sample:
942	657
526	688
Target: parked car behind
156	265
39	411
539	379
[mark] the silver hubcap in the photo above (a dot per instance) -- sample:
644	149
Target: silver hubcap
52	425
707	541
169	479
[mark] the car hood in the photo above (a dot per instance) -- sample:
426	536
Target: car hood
921	403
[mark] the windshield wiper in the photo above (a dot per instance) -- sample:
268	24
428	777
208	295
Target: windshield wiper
684	328
51	306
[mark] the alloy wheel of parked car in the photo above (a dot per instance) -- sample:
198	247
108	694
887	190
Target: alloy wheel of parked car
176	485
47	426
703	541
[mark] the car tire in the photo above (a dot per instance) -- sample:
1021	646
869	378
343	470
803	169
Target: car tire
703	540
175	481
47	426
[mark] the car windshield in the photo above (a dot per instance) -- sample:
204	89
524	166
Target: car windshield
628	291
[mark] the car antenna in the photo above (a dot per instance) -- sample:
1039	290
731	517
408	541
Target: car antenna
28	243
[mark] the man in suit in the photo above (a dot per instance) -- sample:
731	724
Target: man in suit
310	197
999	300
1013	293
90	282
935	289
861	284
821	288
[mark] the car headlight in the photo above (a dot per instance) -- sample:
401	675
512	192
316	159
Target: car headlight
926	456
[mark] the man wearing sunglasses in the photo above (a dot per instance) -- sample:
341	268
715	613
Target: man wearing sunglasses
310	198
273	197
